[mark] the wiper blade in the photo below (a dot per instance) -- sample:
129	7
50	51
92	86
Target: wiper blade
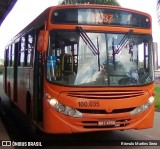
123	41
87	40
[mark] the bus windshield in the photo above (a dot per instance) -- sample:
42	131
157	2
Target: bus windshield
114	60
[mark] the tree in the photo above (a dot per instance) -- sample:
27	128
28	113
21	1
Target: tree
105	2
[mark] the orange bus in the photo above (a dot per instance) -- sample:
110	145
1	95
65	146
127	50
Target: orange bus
83	68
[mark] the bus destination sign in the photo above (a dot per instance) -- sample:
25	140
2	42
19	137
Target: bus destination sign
98	16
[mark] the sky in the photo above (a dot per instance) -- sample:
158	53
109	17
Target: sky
26	10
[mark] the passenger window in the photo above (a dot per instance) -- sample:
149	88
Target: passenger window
6	57
22	51
13	54
29	49
10	56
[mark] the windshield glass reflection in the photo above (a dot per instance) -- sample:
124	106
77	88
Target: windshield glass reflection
72	61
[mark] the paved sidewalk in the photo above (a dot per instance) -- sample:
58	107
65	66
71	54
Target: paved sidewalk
3	133
4	136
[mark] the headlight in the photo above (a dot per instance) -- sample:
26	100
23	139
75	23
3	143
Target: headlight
53	102
61	108
71	112
151	99
144	107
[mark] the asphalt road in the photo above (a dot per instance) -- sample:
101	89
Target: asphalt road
18	128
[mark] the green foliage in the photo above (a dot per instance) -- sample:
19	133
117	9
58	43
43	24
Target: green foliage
157	97
104	2
1	69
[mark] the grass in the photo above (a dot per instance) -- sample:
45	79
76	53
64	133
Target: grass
157	97
1	69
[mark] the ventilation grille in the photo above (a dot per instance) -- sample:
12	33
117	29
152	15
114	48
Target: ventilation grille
106	94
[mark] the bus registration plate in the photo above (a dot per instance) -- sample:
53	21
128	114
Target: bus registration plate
106	123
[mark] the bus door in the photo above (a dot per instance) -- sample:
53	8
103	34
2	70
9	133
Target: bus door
38	88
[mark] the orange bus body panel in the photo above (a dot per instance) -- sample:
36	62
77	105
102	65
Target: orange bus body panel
55	122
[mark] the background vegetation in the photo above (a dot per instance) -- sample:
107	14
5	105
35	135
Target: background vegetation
1	69
1	66
157	97
104	2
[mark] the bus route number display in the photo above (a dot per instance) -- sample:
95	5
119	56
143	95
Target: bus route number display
104	18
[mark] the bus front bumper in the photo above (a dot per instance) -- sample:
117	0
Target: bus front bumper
58	123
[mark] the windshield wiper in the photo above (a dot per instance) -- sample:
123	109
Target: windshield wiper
123	42
89	43
87	40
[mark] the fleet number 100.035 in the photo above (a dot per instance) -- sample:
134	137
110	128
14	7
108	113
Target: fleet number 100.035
88	104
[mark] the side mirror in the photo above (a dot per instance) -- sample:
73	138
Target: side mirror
42	42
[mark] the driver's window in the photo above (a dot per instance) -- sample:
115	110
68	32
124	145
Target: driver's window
60	58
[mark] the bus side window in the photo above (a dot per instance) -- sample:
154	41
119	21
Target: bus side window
30	49
22	51
10	56
13	47
19	51
6	57
26	50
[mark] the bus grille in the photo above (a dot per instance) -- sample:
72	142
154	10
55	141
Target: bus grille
116	94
